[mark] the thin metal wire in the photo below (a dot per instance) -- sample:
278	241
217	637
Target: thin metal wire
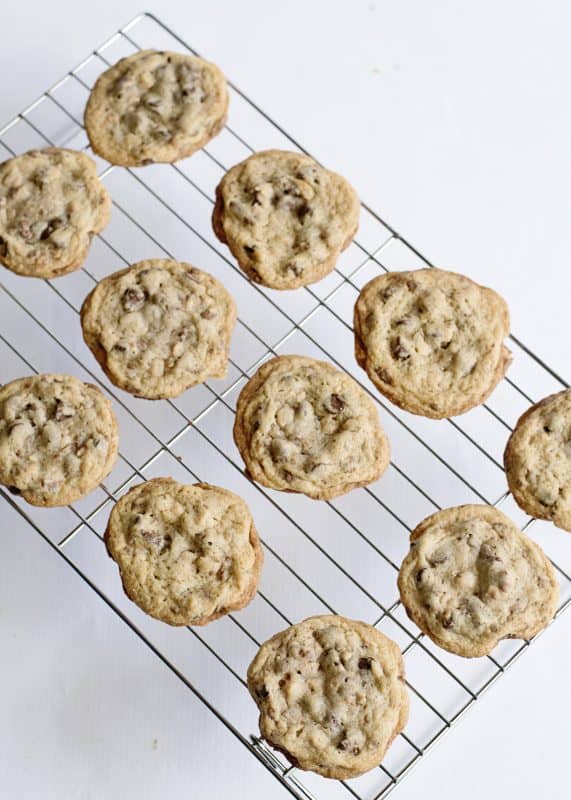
286	775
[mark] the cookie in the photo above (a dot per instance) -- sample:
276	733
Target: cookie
51	204
58	438
331	695
155	107
472	578
538	460
431	341
303	426
285	218
187	554
159	327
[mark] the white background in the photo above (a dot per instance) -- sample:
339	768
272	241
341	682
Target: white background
453	121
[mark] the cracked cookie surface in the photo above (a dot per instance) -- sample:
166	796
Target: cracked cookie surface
472	578
58	438
51	203
285	218
331	694
186	554
159	327
431	341
538	460
155	106
303	426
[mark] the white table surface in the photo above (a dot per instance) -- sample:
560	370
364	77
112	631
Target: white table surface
453	120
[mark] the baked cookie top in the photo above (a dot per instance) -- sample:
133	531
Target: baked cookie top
431	341
159	327
472	578
155	106
538	460
51	203
331	694
303	426
58	438
187	554
285	218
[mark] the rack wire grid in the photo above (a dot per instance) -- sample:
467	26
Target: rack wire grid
340	556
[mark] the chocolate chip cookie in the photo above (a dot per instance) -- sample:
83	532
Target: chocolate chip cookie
431	341
155	107
58	438
51	204
187	554
472	578
285	218
538	460
331	695
303	426
159	327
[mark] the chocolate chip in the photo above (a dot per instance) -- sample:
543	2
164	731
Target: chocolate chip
412	285
63	412
384	376
52	226
336	403
365	663
14	490
388	292
133	299
249	250
547	429
419	575
447	622
262	693
3	247
398	350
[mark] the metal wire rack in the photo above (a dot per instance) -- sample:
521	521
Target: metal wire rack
341	556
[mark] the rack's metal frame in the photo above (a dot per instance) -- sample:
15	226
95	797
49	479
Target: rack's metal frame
288	776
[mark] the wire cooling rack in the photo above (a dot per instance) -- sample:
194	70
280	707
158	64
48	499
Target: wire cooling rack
341	556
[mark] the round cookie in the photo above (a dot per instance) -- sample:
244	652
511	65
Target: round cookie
472	578
155	107
58	438
303	426
51	204
431	341
285	218
331	695
186	554
159	327
537	460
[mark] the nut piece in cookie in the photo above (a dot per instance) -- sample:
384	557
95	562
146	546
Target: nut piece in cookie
303	426
58	438
472	578
159	327
331	695
51	204
285	218
431	341
186	554
538	460
155	107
